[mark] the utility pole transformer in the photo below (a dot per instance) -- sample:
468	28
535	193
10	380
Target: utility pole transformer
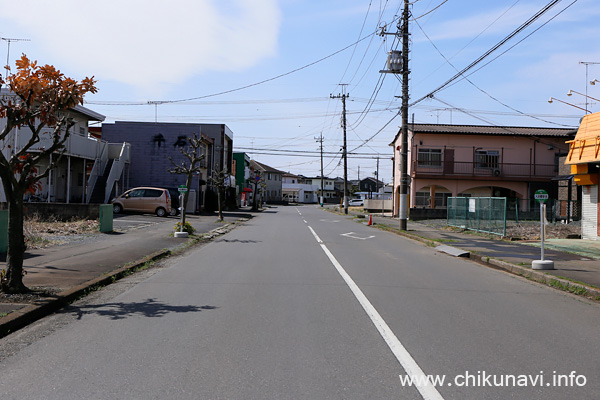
344	96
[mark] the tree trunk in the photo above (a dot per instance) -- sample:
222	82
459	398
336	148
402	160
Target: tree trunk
186	195
220	205
13	281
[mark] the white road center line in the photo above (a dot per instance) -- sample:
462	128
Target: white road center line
428	391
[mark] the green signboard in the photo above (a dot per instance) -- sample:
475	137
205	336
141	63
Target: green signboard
541	196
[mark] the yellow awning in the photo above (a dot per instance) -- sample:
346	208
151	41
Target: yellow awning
585	147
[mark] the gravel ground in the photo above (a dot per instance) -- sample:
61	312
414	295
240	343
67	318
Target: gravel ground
524	230
42	234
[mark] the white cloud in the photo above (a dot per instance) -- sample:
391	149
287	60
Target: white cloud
150	44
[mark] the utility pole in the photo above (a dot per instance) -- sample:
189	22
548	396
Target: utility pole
397	63
404	110
320	140
344	96
9	40
587	79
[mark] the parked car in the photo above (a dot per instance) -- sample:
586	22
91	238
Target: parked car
144	199
356	202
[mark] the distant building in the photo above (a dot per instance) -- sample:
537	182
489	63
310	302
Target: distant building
294	191
153	143
273	178
241	169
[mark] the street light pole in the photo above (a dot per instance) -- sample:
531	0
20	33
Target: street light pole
552	99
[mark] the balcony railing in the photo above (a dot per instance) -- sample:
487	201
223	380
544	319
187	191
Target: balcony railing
500	171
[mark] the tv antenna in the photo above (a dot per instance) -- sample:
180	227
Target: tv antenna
9	40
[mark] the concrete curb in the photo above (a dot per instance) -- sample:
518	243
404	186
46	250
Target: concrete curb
22	317
31	313
540	277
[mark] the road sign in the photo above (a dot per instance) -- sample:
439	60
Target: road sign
257	177
182	189
541	196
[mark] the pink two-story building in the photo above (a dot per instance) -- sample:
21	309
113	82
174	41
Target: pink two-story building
478	161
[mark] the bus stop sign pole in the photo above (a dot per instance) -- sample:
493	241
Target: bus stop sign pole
542	196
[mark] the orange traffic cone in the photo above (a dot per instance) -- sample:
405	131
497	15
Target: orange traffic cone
370	220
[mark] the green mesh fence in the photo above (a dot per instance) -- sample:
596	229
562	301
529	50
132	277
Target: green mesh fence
482	214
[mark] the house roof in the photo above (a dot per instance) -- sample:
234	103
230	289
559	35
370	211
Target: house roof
264	167
89	114
488	130
586	145
371	179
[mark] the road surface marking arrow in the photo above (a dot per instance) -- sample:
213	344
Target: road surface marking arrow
350	235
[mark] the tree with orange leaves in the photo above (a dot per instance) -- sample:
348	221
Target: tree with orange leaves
38	97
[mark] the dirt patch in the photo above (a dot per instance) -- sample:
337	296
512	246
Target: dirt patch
531	231
34	296
524	230
42	234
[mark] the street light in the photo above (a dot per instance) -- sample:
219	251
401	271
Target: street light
594	82
572	105
581	94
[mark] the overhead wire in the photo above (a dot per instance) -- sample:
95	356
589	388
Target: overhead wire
477	87
520	41
523	26
470	41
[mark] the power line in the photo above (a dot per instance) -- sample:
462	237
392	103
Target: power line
490	51
272	78
477	87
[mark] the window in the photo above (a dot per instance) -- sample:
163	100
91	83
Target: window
269	176
429	158
136	193
487	159
153	193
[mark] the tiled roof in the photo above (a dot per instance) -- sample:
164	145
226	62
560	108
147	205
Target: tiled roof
489	130
264	167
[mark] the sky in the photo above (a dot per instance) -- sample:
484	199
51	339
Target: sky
268	68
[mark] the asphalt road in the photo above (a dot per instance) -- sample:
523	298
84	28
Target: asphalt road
300	303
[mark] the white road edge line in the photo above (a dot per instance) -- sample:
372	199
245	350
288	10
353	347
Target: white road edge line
428	391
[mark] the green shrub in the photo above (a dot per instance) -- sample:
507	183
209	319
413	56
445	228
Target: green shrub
187	227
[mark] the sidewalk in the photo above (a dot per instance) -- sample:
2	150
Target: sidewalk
577	260
72	268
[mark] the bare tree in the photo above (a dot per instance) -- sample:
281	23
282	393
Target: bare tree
39	98
190	165
218	180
